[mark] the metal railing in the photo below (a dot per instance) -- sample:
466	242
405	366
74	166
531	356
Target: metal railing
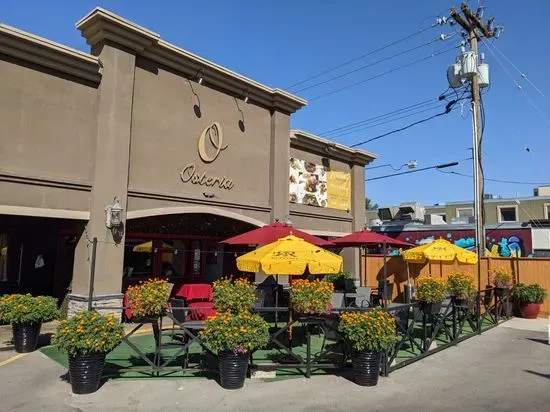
420	334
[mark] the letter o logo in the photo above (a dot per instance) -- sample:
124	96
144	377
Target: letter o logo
214	134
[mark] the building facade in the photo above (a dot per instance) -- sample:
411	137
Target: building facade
191	151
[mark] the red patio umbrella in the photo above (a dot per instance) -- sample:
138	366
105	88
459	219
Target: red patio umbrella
271	233
370	238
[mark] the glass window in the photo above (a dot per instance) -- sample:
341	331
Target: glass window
3	257
465	212
507	214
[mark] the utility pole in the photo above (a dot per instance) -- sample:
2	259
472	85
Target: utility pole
476	28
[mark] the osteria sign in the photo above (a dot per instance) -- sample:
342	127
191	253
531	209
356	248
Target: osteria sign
212	137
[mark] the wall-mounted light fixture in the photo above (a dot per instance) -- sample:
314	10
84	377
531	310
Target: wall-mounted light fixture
208	195
113	214
288	222
331	148
245	96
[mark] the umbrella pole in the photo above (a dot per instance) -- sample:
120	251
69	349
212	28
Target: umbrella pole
276	300
360	268
409	288
385	276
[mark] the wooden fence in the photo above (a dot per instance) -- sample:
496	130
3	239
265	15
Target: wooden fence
524	270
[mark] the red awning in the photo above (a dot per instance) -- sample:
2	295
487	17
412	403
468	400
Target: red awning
368	238
271	233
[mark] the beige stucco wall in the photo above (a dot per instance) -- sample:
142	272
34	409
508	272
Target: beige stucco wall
166	130
48	124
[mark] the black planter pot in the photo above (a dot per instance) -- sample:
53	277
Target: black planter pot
366	368
233	368
431	308
25	336
502	292
85	372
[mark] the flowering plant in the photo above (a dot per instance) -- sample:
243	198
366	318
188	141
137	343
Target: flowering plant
88	332
311	297
233	296
239	333
371	331
148	298
461	284
430	289
27	309
501	278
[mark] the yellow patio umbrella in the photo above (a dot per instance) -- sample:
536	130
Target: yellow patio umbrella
439	250
290	255
147	247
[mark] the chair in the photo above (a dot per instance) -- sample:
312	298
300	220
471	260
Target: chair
362	300
260	298
337	299
349	286
180	315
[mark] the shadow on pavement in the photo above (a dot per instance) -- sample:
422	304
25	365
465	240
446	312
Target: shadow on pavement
542	375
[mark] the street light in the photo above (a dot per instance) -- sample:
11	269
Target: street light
411	164
441	166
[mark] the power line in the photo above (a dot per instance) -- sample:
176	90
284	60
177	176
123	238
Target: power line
360	122
443	37
518	86
447	110
393	43
498	180
436	53
521	73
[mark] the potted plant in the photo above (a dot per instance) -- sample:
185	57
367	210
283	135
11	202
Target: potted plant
502	281
148	299
233	337
338	279
26	314
461	286
529	297
369	334
87	337
311	298
430	291
233	296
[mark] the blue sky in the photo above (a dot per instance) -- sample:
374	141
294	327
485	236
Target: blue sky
281	43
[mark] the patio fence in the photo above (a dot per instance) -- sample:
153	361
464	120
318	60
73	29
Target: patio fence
524	270
316	345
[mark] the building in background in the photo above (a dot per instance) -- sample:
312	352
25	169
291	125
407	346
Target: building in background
514	227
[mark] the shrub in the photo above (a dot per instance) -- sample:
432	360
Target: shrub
345	274
239	333
369	331
430	289
311	297
88	332
501	278
233	296
148	298
533	293
27	309
461	284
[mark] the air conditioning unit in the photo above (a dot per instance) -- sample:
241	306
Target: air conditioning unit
387	214
434	220
410	211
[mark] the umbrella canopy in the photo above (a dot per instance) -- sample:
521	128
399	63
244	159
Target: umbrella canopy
368	237
147	247
290	256
439	250
270	233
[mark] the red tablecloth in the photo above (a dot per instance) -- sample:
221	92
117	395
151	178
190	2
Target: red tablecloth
204	310
194	292
127	311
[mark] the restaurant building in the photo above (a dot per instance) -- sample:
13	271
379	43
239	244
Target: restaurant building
185	152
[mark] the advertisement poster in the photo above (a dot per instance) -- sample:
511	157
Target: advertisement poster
316	185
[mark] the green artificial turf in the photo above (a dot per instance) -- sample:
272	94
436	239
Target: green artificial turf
124	362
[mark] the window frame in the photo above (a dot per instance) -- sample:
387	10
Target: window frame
546	211
464	208
499	215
